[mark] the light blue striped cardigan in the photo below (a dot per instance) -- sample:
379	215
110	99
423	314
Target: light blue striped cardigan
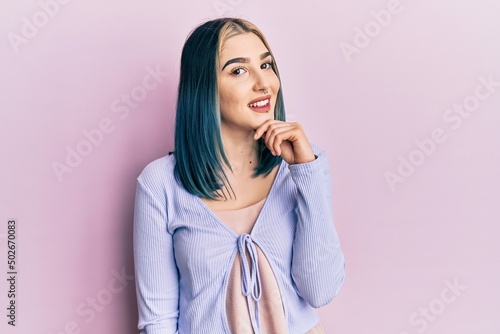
183	253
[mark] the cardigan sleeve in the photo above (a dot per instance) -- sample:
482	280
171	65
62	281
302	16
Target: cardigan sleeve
156	274
318	265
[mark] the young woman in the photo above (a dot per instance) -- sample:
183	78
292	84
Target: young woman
233	232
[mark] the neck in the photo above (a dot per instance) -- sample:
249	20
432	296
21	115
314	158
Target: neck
240	149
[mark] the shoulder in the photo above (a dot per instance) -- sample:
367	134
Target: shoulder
158	172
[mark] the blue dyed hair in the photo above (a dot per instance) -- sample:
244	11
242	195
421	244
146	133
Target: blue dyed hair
199	152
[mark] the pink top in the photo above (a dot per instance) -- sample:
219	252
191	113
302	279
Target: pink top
272	317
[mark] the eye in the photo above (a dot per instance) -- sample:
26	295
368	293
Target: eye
238	71
267	66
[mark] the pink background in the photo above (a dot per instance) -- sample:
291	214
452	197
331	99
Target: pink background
438	225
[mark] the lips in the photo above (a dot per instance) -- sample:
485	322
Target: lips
261	104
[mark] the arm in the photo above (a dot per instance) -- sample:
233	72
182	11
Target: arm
318	266
155	268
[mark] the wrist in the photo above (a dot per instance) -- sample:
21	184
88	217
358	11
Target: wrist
306	160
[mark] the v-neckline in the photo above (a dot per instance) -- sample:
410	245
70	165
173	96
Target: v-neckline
218	220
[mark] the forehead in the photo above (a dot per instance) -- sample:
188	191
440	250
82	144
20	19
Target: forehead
246	45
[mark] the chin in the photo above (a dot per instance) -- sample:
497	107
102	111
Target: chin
265	116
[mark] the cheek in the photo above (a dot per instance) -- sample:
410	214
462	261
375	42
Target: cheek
276	84
225	100
228	94
230	103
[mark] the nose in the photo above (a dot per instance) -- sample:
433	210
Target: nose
262	81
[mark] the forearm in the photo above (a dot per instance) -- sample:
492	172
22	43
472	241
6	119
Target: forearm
155	268
318	262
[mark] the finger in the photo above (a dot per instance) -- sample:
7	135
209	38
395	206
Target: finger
263	128
281	135
271	133
277	133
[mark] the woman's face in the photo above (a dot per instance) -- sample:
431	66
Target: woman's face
247	83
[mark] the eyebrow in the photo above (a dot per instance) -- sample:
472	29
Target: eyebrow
244	60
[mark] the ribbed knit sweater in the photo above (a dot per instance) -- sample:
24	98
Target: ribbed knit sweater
183	253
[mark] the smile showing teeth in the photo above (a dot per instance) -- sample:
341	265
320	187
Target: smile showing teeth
262	103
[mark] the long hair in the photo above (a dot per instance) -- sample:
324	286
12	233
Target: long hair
199	151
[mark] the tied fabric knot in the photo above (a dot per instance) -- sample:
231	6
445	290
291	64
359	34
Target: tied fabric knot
250	281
